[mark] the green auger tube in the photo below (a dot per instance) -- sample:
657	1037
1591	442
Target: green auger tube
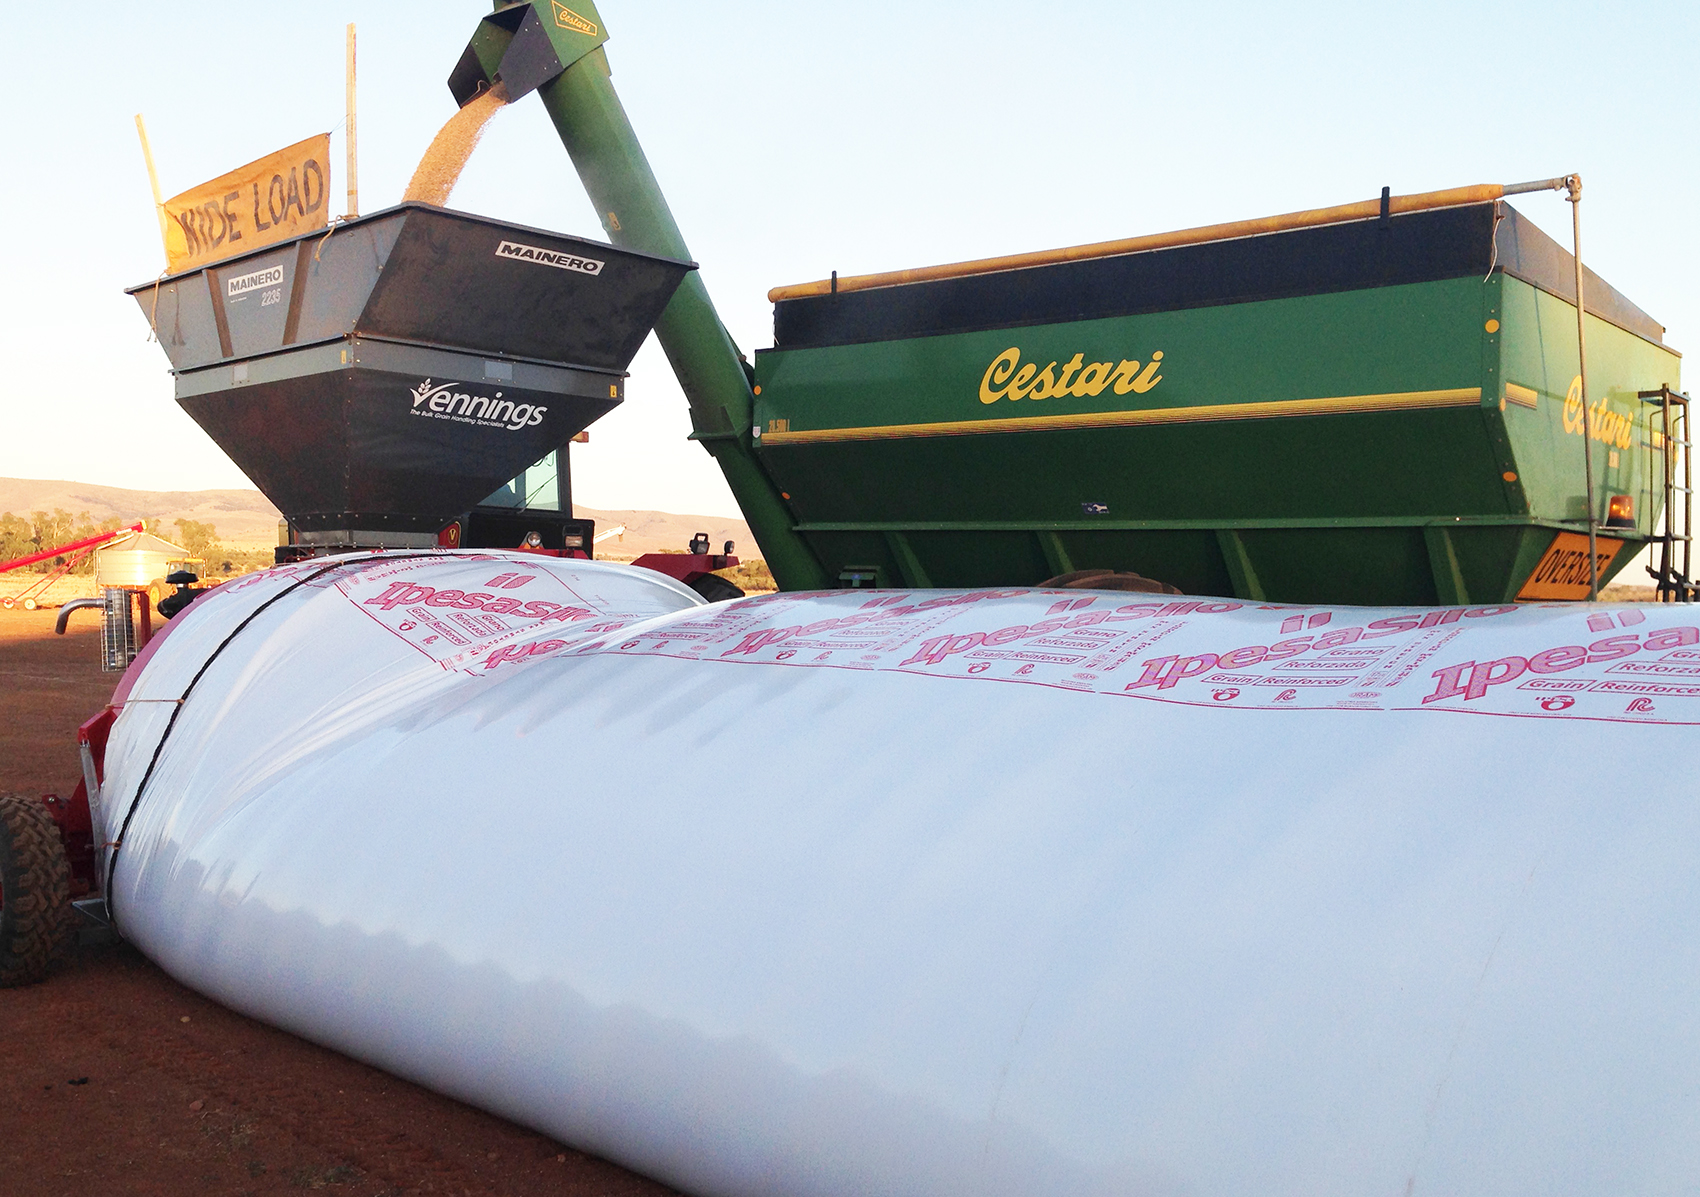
557	52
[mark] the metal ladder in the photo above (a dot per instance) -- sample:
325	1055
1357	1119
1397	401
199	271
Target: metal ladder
117	630
1676	540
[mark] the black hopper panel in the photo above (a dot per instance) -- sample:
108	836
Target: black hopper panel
1416	247
419	273
397	438
462	281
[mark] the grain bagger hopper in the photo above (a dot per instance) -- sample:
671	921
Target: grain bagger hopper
1021	889
389	382
412	378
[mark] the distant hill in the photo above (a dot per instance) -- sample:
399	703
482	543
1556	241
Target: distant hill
246	519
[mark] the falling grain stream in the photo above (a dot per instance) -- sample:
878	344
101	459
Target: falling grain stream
439	170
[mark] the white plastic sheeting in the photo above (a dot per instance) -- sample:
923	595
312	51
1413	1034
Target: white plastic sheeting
981	893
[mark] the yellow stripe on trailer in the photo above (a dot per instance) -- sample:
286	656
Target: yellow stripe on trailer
1331	406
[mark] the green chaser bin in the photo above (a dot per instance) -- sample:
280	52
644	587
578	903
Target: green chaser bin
1378	410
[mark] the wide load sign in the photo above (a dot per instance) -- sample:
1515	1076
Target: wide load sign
271	199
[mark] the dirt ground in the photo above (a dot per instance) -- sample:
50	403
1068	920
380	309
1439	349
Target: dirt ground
116	1079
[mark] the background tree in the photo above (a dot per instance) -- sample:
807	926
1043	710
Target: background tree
200	539
47	529
16	537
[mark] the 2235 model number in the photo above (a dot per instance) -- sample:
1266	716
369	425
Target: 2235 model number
267	298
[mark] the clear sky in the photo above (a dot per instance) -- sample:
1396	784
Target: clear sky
797	138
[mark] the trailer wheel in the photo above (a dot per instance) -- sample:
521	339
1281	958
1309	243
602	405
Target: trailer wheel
715	588
31	604
1107	579
35	885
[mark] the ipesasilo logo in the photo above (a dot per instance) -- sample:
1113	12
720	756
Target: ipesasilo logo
446	403
548	257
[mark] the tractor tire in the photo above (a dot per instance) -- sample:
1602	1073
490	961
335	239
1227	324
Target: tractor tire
715	588
35	889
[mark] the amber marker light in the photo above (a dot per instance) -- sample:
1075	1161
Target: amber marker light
1620	512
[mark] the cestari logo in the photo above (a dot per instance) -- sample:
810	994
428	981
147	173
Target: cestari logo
445	403
1612	427
1007	378
566	18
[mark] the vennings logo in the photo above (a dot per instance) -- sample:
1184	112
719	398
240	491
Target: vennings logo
566	18
445	403
547	257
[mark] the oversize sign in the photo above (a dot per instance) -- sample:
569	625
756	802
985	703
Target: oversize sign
271	199
1563	571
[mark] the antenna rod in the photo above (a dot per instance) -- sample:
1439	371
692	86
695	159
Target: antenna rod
1573	184
153	179
350	141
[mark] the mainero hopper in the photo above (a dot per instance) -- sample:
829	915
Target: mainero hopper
379	380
